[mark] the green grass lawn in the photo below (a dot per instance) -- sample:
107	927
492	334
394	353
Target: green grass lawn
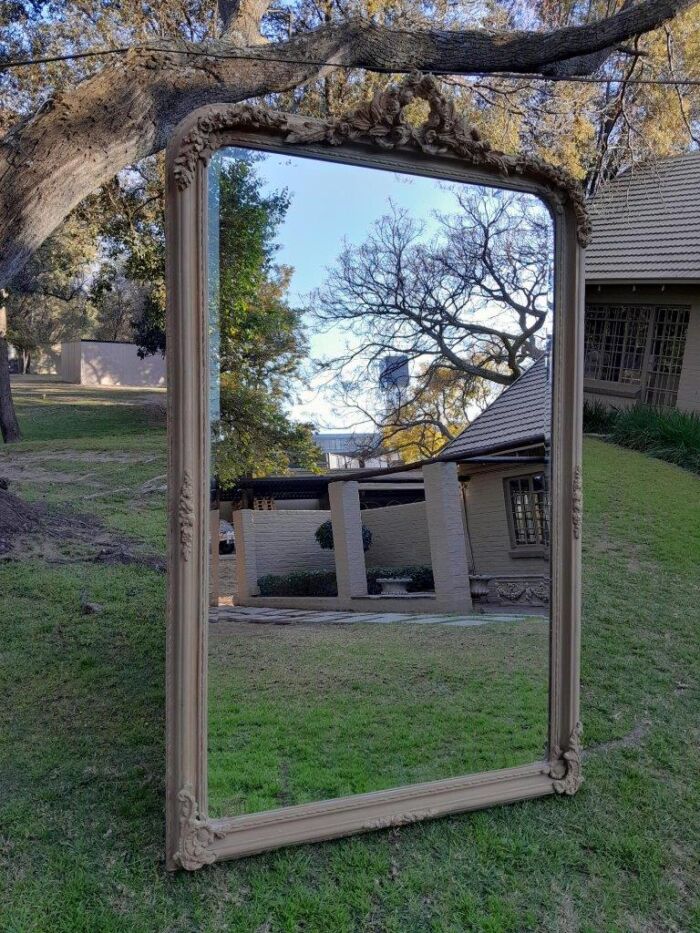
81	734
305	712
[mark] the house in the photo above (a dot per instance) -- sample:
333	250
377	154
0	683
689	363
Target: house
477	515
642	332
352	450
502	459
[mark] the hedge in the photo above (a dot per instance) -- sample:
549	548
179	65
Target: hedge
323	582
299	583
664	433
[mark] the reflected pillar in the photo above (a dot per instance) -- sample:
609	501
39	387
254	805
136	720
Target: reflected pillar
350	570
246	563
214	584
444	508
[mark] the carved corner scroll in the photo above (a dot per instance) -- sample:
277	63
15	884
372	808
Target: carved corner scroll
196	834
566	768
185	516
382	122
577	503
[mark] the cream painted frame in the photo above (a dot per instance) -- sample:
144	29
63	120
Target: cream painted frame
375	136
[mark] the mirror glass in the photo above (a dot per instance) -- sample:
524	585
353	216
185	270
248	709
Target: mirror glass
379	573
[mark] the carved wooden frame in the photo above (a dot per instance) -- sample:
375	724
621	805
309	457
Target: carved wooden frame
376	135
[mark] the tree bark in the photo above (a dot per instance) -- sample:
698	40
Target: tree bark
9	426
79	140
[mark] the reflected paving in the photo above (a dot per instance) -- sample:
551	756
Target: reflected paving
269	616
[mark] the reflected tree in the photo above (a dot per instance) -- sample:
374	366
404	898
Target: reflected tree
464	297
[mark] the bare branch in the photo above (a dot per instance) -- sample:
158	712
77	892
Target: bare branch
80	139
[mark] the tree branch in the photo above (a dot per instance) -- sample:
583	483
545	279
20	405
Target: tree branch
79	140
240	20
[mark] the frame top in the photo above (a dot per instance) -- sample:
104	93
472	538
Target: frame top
380	122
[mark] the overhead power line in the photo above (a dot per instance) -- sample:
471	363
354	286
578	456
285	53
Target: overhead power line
288	60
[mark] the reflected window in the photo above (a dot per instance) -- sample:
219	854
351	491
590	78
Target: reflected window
528	502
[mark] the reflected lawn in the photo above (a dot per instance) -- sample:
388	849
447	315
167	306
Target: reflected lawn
306	712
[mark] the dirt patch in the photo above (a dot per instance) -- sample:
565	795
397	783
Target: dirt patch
19	473
32	530
17	517
633	738
90	456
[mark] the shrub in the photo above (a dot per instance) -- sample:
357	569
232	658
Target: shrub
598	418
299	583
324	536
664	433
421	578
323	582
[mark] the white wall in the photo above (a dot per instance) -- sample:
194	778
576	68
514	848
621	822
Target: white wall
284	541
100	363
399	535
70	361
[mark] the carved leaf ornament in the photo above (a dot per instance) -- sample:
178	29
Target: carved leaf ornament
382	122
566	767
186	515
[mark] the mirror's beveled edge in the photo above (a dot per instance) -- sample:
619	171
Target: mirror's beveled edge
192	840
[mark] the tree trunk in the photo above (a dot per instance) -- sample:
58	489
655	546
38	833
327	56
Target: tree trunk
80	139
9	426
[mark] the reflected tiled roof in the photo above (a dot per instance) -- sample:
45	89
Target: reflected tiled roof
646	224
520	415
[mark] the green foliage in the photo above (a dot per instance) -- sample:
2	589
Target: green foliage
324	536
299	583
664	433
421	578
258	438
261	338
133	235
323	582
597	417
49	302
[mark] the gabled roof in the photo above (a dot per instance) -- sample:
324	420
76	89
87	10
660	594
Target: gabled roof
519	416
646	224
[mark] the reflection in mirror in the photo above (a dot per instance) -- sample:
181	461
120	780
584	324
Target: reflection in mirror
380	433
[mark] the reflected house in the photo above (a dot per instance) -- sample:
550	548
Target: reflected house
642	334
477	517
353	450
503	473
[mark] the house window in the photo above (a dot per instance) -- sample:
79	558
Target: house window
666	356
639	345
528	502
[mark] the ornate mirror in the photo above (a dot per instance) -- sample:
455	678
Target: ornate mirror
374	386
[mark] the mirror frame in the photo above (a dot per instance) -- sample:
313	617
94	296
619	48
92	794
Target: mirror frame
376	135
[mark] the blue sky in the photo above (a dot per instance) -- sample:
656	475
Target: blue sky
331	203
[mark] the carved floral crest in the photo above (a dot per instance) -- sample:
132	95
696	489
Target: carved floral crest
382	121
